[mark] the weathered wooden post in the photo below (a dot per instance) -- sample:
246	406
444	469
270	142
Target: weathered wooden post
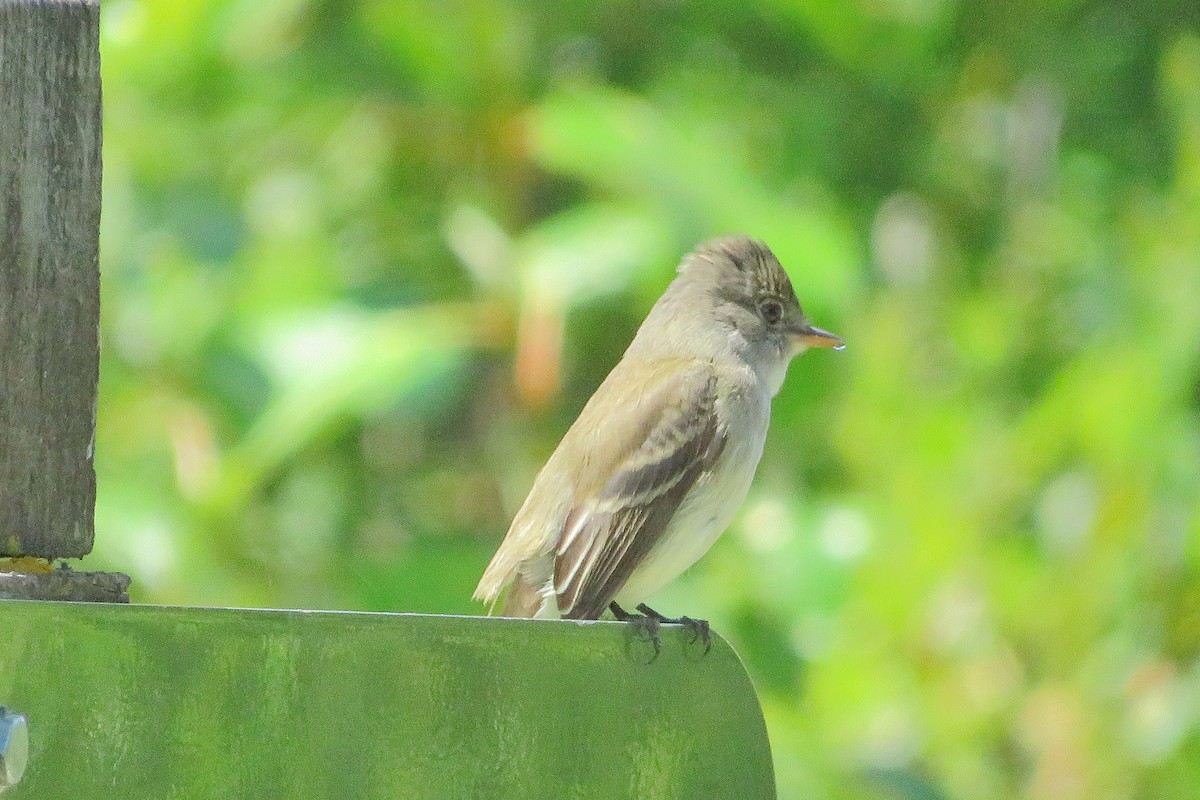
49	290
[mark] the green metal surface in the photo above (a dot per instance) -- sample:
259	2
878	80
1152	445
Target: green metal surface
154	702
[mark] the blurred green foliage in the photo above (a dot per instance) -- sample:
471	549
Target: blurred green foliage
364	262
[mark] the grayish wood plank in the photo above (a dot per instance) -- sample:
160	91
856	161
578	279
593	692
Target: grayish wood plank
49	274
65	584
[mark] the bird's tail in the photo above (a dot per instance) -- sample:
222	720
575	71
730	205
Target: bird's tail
521	594
522	600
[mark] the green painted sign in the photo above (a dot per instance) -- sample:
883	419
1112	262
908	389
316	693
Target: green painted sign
153	702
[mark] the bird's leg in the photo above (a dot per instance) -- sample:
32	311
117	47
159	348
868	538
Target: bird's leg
699	628
621	614
647	625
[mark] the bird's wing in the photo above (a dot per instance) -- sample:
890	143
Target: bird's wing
608	532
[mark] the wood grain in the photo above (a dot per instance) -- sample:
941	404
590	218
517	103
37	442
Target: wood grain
49	274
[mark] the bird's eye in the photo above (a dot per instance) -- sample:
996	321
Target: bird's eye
771	311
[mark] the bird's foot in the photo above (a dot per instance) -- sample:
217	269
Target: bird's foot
645	625
699	629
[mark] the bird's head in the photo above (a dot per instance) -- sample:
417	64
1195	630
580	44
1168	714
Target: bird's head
753	298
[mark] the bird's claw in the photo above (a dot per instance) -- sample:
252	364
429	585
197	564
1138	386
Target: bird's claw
648	622
645	625
699	629
648	628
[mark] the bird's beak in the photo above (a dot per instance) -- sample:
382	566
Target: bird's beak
813	336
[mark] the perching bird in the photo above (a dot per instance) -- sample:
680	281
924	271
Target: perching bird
662	455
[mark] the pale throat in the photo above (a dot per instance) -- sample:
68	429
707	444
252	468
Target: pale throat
769	362
774	374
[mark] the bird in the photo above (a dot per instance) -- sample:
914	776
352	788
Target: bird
661	457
